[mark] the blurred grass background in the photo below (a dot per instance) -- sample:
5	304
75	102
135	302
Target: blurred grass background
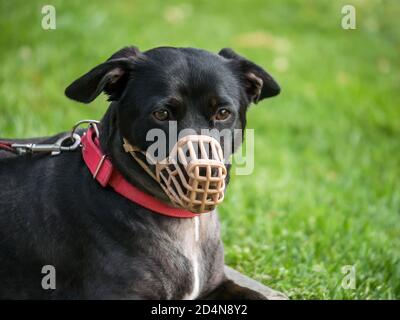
325	192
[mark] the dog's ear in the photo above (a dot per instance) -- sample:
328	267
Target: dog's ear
257	83
110	77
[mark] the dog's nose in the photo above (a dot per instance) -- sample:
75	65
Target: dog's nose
203	171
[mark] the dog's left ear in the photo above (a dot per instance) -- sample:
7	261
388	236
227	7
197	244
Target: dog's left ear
257	83
110	77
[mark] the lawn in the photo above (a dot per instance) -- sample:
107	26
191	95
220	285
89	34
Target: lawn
325	192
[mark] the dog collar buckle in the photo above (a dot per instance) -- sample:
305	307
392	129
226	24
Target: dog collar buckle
99	165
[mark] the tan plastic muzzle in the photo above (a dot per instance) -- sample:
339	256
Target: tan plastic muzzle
193	175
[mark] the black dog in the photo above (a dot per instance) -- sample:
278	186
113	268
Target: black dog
52	212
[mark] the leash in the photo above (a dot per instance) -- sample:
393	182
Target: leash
69	142
7	146
99	165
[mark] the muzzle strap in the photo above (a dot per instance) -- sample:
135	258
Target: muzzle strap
106	174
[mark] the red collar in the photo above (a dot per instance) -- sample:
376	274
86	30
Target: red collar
104	172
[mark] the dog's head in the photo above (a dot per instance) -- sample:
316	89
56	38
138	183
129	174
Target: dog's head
194	88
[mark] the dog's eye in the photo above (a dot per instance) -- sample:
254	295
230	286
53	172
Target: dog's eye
161	115
222	114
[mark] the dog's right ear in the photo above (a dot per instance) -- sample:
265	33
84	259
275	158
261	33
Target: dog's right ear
110	77
257	82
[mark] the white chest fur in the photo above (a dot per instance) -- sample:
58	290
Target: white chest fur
192	250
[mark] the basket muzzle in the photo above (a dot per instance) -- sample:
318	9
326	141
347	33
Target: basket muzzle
192	176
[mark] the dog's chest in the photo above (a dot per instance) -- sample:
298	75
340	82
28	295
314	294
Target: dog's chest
199	241
192	249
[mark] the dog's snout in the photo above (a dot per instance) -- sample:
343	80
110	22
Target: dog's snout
214	171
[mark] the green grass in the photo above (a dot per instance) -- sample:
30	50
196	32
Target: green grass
325	192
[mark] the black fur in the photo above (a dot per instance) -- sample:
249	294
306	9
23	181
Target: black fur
102	245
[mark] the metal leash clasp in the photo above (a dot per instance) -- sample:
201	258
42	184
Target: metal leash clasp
76	138
62	144
69	142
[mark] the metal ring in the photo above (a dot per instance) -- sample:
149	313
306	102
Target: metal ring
92	123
